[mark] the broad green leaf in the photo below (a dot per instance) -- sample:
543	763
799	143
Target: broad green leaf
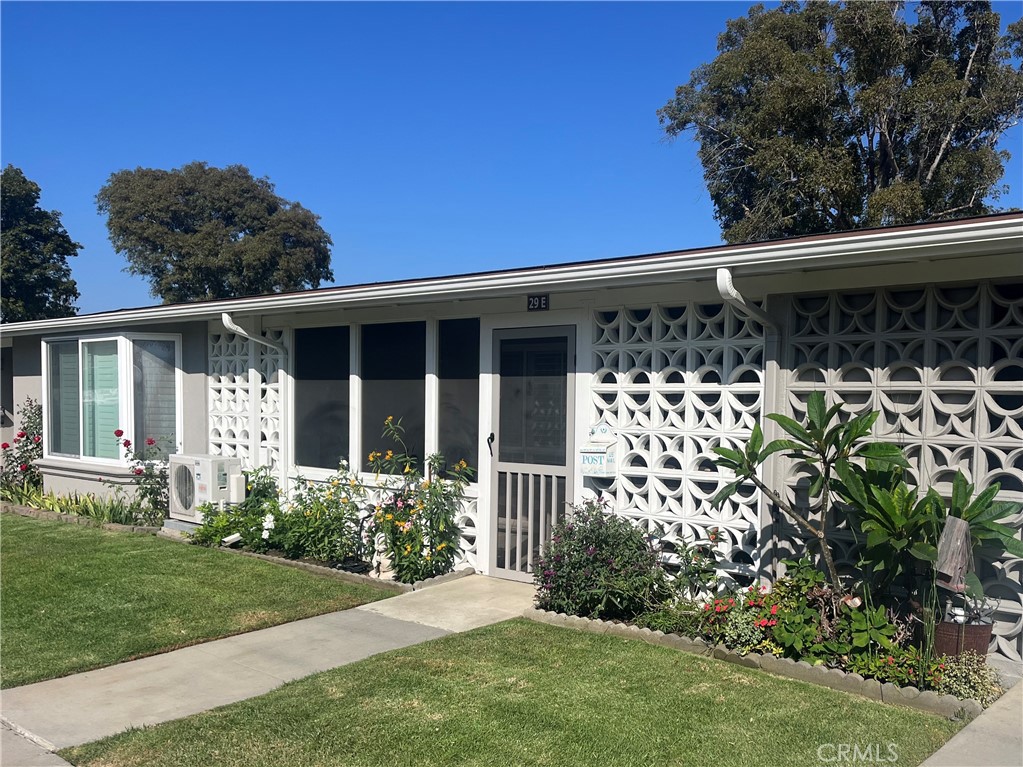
981	503
724	494
793	428
852	482
883	453
924	551
997	511
816	408
1013	546
961	491
876	538
777	446
756	441
732	455
974	588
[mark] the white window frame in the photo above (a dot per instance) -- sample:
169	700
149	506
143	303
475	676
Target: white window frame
125	394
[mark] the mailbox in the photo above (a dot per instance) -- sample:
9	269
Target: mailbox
598	457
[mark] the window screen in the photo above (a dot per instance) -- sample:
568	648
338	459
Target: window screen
155	389
459	390
393	360
321	396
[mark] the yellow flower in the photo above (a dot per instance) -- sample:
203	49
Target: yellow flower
441	546
352	482
408	468
427	557
389	456
426	484
408	549
344	499
388	516
389	419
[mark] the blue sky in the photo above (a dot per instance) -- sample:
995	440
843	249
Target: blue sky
432	138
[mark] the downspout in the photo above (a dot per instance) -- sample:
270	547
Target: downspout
234	327
735	298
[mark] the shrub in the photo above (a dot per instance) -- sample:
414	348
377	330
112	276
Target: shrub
416	520
149	473
969	676
598	565
19	475
900	666
684	618
254	518
321	521
743	632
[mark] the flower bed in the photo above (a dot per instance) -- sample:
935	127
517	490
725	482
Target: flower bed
911	697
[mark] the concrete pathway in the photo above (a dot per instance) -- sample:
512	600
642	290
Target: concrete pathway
78	709
993	739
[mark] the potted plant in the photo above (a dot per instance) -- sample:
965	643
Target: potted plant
970	524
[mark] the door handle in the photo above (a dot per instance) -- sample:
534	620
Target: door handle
490	444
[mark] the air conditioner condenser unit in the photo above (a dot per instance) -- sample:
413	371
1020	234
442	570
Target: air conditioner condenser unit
198	479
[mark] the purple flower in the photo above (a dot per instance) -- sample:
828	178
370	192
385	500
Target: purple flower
590	551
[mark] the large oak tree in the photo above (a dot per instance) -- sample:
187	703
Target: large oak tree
199	233
35	278
831	116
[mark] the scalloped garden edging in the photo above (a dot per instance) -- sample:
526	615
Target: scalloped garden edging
947	706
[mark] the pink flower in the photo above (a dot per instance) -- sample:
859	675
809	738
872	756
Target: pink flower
774	609
150	441
23	467
37	439
118	432
5	446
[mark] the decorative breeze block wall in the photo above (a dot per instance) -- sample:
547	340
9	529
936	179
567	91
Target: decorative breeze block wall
243	373
944	367
674	382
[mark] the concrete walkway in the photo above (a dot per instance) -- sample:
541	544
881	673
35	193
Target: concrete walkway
993	739
84	707
78	709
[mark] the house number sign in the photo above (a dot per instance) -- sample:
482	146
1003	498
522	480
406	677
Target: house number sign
540	302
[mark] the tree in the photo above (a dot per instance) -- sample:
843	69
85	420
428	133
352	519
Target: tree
35	279
199	233
828	116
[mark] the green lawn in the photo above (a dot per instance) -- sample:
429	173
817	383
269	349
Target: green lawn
76	598
522	693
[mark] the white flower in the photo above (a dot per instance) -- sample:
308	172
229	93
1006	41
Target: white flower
266	535
268	524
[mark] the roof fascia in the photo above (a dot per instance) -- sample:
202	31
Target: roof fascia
943	241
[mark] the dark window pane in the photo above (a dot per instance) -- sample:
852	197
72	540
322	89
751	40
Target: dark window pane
393	362
534	400
321	396
459	390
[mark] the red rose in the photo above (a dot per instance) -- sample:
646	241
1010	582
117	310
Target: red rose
37	439
138	471
4	446
118	432
127	444
150	441
23	467
22	435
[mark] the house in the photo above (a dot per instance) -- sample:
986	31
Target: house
668	355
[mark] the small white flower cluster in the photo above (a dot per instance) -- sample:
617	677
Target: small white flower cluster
268	525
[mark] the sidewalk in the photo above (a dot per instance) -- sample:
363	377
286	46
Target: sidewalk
993	739
78	709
